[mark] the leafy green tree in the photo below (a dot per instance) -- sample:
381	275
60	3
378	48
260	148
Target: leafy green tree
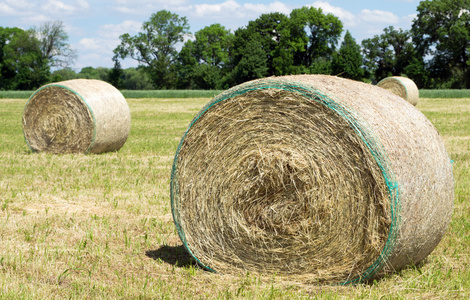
203	62
403	48
116	75
268	30
315	36
304	42
22	66
442	31
63	74
418	72
253	64
155	47
347	62
321	65
212	45
99	73
378	57
186	64
136	79
388	54
7	72
283	60
207	77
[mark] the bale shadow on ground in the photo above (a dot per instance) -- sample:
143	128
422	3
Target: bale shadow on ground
174	255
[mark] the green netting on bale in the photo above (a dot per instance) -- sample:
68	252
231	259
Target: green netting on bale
78	96
76	116
401	86
360	127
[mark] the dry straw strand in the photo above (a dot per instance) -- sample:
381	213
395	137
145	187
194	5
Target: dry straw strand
76	116
401	86
309	177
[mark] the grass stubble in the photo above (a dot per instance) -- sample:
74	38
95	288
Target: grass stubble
100	226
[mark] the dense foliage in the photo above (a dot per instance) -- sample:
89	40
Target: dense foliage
442	31
22	66
434	53
155	47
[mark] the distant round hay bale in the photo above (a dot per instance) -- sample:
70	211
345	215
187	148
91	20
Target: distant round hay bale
310	178
401	86
76	116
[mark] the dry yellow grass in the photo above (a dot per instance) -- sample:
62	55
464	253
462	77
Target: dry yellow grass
99	226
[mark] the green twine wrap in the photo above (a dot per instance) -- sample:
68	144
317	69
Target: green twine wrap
358	124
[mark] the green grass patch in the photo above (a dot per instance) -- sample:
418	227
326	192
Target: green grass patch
15	94
444	94
100	226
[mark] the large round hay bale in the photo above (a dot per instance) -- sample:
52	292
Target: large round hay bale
76	116
401	86
311	178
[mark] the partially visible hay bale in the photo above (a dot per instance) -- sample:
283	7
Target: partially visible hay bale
401	86
76	116
310	178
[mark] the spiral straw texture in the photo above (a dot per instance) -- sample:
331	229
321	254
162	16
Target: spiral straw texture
76	116
401	86
311	178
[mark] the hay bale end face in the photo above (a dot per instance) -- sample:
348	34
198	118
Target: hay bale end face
309	177
76	116
401	86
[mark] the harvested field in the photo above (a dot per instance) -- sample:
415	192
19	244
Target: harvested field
100	226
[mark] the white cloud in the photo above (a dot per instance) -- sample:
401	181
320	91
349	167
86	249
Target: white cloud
83	4
205	10
30	9
144	7
51	7
89	60
58	7
347	17
89	44
231	14
15	7
24	4
115	30
127	10
367	22
231	8
409	18
5	9
101	45
271	7
95	52
378	17
36	19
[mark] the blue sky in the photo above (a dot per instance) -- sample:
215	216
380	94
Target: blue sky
94	27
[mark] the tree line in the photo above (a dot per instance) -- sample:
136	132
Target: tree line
434	52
